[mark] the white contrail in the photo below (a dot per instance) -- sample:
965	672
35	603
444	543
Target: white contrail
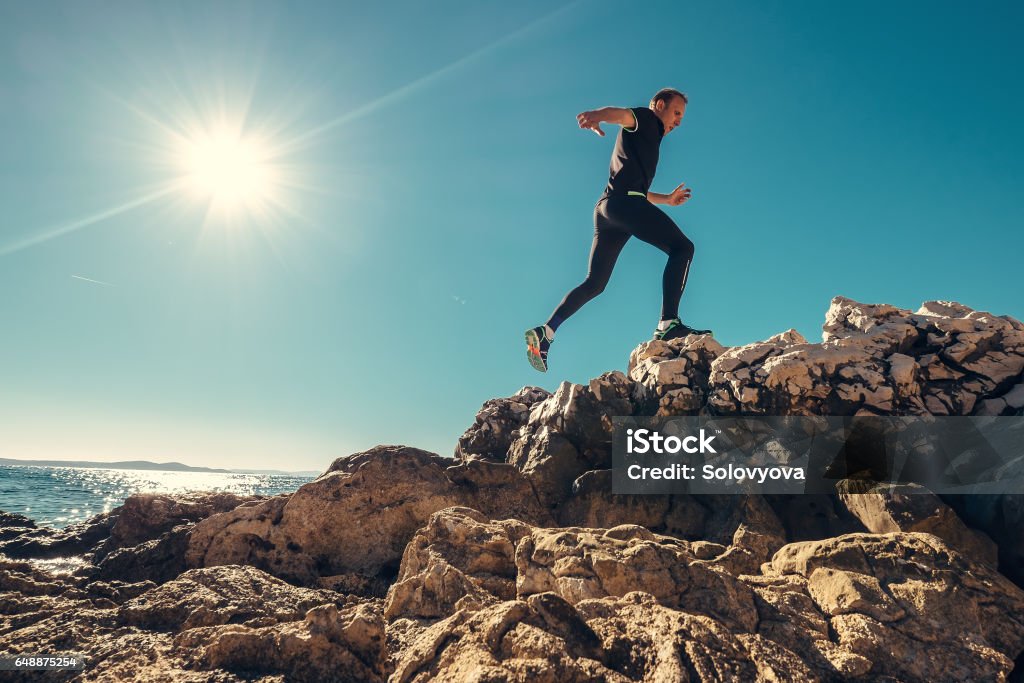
89	279
409	88
85	222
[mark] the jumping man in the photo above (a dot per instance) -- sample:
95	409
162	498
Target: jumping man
626	208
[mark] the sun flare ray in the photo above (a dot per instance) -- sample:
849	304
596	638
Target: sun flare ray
50	234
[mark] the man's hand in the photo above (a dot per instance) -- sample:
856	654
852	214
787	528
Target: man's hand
591	120
679	195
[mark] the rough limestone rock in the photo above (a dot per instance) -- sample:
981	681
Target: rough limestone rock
749	526
570	433
747	523
328	644
356	519
582	564
945	359
498	489
216	624
149	535
497	424
45	612
672	376
28	579
629	638
885	596
222	595
541	639
627	604
716	519
458	558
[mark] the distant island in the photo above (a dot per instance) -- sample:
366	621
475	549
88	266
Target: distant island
141	465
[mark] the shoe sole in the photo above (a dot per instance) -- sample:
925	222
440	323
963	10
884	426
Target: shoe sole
533	352
688	334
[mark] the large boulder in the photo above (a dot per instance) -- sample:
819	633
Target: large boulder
147	516
149	540
356	519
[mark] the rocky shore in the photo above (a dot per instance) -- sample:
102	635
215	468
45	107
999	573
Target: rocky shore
514	562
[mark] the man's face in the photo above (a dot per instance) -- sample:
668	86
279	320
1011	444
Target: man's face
670	112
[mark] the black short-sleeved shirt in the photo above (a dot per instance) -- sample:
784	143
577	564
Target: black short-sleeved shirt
636	154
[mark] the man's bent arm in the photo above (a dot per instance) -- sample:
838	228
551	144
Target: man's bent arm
677	197
592	120
620	115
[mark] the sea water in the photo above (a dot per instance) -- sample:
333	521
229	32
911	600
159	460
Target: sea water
59	496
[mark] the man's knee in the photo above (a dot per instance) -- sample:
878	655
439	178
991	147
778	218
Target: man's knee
684	247
593	286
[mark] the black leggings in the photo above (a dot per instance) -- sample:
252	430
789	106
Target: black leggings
616	219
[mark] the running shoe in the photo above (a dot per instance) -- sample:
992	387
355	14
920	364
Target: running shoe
537	345
677	329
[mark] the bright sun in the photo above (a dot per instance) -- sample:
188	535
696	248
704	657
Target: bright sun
230	170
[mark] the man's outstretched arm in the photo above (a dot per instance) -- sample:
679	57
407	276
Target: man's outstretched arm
592	120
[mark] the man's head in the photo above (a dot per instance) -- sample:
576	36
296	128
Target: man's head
669	104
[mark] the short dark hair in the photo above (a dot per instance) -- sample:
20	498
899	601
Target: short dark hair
666	94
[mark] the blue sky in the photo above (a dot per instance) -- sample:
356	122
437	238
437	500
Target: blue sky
433	198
